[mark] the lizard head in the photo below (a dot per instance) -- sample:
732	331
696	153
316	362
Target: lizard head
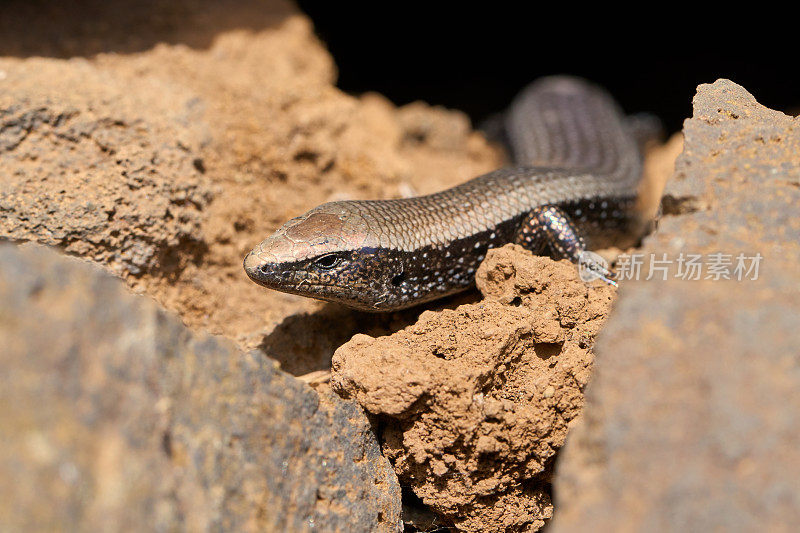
328	253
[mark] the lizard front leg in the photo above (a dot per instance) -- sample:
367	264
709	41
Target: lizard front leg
549	227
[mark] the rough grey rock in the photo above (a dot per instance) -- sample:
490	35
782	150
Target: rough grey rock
693	414
114	416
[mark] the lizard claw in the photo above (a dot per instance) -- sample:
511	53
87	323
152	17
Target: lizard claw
592	266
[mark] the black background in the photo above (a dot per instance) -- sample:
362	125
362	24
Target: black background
476	58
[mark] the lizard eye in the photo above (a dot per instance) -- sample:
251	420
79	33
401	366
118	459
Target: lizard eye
328	261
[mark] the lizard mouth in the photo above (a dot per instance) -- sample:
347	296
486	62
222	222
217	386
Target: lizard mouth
253	266
278	276
264	273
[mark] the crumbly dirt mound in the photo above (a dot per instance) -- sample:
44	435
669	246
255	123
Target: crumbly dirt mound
479	399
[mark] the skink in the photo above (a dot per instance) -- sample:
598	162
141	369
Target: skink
575	189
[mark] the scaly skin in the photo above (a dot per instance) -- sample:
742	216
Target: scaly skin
576	188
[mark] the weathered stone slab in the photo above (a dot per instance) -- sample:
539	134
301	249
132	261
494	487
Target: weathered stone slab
114	416
692	419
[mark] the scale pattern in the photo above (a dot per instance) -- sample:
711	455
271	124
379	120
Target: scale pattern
577	162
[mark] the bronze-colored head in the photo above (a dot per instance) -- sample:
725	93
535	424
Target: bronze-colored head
329	253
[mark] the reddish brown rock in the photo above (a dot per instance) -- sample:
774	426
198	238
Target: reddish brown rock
88	171
479	399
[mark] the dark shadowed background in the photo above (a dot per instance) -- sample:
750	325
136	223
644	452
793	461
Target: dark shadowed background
475	57
468	56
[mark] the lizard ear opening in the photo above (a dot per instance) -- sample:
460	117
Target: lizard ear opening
398	279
